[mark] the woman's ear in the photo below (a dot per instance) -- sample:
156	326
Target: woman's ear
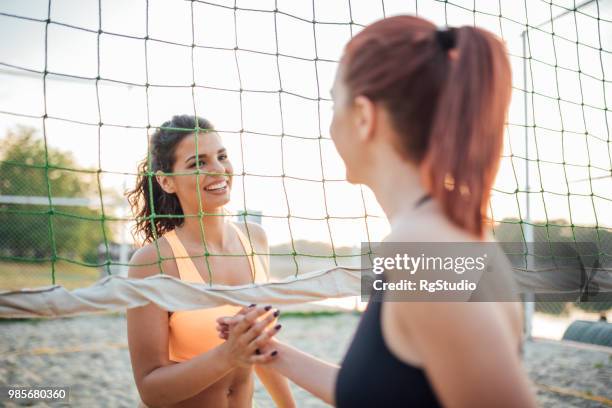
165	182
364	111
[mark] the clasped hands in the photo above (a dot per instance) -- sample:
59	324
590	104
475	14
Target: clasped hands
249	339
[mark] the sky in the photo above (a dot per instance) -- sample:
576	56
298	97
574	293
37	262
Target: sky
576	160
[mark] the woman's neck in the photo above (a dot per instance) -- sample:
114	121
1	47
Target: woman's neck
210	227
398	190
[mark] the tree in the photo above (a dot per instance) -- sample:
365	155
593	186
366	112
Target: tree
30	232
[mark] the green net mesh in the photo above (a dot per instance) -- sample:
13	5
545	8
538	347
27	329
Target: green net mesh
98	80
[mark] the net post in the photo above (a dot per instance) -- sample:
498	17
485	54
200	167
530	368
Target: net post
529	300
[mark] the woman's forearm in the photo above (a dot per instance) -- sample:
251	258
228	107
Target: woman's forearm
312	374
177	382
276	384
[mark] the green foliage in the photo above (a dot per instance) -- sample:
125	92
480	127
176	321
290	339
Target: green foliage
40	231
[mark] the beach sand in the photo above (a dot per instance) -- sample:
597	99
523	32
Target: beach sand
89	354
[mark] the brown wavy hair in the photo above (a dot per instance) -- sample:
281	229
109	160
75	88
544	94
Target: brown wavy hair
449	107
148	200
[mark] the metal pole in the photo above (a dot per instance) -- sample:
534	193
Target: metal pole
529	300
529	303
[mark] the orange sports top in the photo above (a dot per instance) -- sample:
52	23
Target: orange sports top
193	332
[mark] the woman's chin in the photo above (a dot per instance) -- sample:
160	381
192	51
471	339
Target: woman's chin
214	201
351	178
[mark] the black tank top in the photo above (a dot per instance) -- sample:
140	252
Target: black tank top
371	376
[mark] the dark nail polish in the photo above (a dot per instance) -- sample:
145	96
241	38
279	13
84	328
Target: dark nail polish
267	308
274	352
278	326
276	313
252	305
257	351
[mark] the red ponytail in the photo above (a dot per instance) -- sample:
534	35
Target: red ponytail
449	112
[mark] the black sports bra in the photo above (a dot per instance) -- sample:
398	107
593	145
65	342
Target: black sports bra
371	376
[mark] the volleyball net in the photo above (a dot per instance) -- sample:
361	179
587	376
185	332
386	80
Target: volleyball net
82	104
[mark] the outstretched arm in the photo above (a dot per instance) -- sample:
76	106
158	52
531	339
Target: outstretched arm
277	385
310	373
314	375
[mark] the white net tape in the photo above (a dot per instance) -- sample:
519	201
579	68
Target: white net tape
169	293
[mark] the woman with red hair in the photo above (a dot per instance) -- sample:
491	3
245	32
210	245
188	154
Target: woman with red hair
418	117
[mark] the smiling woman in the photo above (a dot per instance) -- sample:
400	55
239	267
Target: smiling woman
177	357
201	164
168	142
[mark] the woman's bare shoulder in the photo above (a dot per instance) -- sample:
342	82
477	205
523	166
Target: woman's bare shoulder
152	259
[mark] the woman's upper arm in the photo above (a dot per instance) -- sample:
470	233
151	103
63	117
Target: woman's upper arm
469	354
147	326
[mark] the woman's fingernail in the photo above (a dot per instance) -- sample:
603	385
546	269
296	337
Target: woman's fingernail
274	353
278	326
276	313
252	305
267	308
257	351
